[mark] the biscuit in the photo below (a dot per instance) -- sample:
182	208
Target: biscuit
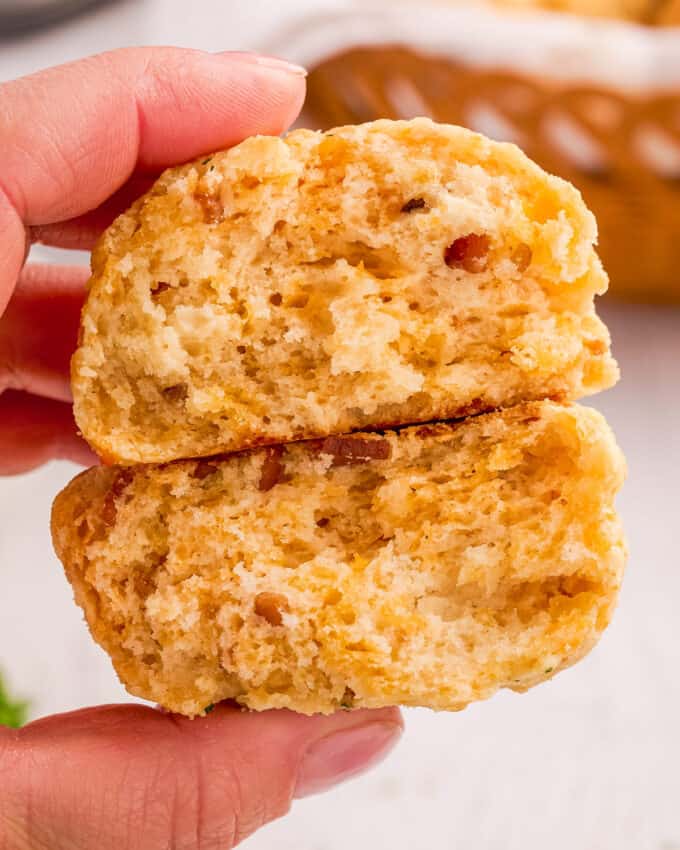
374	275
633	10
669	13
427	566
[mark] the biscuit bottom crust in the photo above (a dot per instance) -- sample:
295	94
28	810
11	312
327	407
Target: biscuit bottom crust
429	566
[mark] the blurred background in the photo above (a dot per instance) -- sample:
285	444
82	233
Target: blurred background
588	761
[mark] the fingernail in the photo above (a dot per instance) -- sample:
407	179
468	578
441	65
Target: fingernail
273	62
342	755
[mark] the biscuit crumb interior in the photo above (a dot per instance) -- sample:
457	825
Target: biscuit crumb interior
322	283
429	566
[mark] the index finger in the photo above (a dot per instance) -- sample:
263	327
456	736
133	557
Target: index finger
72	135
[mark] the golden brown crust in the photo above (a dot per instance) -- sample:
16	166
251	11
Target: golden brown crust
429	566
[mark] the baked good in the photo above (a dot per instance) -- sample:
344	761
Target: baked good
381	274
427	566
643	11
310	287
655	12
669	13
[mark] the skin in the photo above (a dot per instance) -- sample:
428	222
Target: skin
79	142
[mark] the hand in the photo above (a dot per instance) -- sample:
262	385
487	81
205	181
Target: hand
78	143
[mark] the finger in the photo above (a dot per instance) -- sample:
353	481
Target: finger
34	430
130	776
73	135
39	330
81	233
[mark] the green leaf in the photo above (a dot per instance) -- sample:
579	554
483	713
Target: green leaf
13	713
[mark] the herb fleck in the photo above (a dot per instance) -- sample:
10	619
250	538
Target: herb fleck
13	713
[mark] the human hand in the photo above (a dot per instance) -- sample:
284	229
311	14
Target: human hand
78	143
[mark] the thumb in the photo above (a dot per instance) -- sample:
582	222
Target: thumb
130	776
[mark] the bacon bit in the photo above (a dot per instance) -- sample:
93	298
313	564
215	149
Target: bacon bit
176	393
213	211
522	256
159	287
428	431
468	252
272	468
276	299
203	469
350	450
143	585
120	482
413	204
241	349
269	606
347	701
323	522
477	405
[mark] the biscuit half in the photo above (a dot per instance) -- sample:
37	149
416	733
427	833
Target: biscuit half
427	566
374	275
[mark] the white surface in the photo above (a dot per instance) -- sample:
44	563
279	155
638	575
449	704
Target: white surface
566	48
585	762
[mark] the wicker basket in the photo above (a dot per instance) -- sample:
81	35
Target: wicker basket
595	102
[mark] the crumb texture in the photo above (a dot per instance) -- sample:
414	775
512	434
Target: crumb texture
373	275
430	566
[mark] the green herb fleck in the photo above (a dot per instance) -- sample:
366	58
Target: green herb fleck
209	708
206	161
549	669
13	713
